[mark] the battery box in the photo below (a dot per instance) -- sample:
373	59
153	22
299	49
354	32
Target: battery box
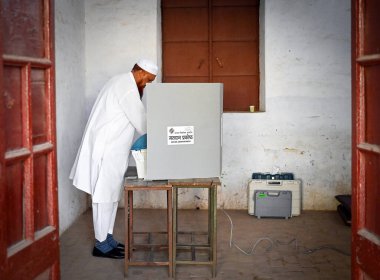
274	203
294	186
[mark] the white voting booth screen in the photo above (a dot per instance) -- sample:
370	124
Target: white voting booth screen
184	127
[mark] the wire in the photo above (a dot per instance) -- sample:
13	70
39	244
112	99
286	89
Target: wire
248	253
310	251
307	251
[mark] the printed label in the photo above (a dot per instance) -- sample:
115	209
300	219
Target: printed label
180	135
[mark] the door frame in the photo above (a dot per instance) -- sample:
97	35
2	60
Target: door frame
365	257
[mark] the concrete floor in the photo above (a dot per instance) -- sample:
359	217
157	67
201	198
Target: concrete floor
288	258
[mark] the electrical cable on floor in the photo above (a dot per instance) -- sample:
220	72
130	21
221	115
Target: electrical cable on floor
310	251
307	251
254	245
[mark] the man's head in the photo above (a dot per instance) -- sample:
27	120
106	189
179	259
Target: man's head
144	71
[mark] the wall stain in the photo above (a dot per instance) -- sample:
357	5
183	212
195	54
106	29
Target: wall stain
293	150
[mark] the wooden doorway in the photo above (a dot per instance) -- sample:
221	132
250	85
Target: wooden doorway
366	139
29	236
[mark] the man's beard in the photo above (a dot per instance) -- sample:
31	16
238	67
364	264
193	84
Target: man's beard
141	92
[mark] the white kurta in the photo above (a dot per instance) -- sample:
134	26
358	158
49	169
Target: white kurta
103	155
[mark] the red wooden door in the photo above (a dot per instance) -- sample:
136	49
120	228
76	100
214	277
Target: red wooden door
366	139
213	41
29	236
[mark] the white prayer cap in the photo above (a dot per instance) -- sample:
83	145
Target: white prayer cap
148	66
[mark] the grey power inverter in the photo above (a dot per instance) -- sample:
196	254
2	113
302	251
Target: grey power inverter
273	203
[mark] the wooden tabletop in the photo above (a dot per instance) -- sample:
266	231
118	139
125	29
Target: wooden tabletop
195	182
130	184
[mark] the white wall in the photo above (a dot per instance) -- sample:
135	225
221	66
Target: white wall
70	101
306	126
118	33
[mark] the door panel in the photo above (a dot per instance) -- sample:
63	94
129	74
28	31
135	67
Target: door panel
238	96
33	266
372	103
29	235
39	117
186	59
24	28
242	28
372	193
235	58
185	24
12	111
371	32
40	173
14	182
366	139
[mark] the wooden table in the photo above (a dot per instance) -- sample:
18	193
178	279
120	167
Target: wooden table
212	185
130	186
172	186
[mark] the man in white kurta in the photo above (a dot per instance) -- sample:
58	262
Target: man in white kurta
102	158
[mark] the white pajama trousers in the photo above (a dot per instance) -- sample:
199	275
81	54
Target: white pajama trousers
103	215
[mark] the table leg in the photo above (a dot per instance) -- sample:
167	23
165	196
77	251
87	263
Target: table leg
126	236
130	226
174	241
170	230
209	221
214	229
128	198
